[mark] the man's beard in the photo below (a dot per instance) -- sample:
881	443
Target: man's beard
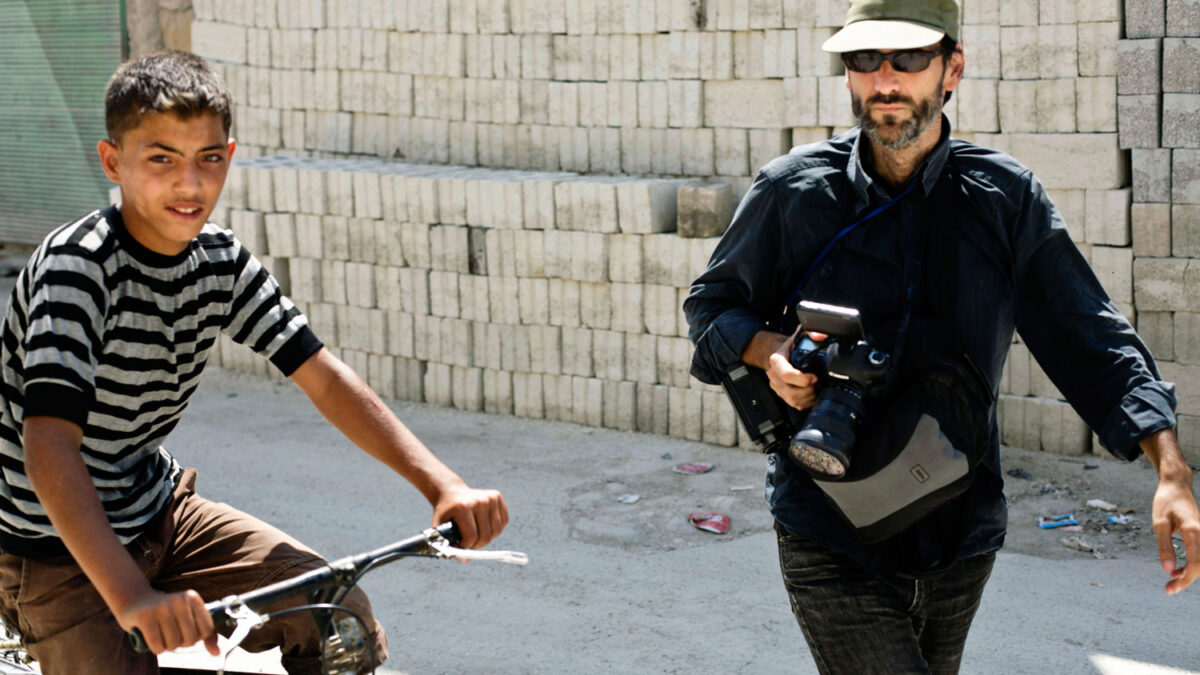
891	133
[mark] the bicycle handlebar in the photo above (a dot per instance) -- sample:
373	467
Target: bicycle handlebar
337	573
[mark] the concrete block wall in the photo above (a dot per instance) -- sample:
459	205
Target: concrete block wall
158	24
560	99
1158	92
543	294
595	86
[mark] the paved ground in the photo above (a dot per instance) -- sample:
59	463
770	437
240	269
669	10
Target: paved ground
633	588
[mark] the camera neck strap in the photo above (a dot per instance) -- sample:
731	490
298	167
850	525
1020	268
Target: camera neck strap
791	301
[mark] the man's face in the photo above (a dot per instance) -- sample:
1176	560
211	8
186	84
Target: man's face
171	171
894	108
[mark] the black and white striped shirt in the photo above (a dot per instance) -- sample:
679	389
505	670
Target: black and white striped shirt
112	336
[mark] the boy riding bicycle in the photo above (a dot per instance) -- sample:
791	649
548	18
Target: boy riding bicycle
107	332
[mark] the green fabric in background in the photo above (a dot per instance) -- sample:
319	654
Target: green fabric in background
55	58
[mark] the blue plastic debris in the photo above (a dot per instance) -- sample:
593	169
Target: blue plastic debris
1051	522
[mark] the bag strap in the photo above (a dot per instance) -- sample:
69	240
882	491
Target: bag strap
829	247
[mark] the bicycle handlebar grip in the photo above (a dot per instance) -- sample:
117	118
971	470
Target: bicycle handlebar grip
450	532
137	641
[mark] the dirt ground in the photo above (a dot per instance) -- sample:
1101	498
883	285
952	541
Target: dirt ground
614	585
1038	484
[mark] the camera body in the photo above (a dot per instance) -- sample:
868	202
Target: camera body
848	370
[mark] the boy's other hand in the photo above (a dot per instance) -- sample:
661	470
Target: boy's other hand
480	514
170	620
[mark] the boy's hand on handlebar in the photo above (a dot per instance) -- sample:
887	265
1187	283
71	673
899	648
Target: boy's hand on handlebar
170	620
480	514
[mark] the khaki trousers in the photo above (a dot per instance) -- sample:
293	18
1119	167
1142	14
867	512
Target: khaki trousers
196	544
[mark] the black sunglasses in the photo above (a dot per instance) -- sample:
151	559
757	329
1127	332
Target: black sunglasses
906	61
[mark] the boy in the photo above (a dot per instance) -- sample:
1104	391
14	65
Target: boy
108	329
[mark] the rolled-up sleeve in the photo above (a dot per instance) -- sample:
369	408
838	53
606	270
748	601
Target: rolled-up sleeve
735	296
1079	337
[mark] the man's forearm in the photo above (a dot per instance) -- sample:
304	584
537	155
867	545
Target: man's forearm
1162	449
62	484
762	346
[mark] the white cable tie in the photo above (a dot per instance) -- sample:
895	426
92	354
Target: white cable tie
445	550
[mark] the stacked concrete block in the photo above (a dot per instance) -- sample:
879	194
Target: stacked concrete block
1158	91
705	210
516	88
571	314
450	220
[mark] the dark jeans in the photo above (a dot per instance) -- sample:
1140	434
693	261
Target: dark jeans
858	622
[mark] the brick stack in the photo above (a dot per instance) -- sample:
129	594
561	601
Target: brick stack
1158	95
550	95
673	87
540	294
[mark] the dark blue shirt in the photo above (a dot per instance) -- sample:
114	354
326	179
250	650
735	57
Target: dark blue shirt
995	252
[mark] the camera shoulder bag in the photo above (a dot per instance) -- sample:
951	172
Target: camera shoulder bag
919	448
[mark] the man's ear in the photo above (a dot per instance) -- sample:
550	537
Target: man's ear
108	160
230	148
954	73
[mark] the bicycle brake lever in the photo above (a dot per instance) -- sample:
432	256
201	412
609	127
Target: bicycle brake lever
443	549
247	620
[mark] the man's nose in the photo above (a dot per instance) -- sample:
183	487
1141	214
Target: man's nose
886	80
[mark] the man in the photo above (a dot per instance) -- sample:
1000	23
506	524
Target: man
954	244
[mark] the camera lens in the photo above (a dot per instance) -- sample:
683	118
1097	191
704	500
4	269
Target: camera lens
823	446
819	461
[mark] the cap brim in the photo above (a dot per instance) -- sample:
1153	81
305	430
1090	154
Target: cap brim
882	34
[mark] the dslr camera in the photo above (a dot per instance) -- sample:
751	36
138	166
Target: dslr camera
848	370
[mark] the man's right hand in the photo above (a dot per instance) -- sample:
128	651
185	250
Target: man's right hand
770	351
169	620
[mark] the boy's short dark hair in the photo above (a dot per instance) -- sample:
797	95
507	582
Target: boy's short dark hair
170	81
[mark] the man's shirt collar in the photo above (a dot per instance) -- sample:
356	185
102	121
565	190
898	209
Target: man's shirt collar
868	191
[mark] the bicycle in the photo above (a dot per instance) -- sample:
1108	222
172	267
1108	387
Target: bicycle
14	660
346	640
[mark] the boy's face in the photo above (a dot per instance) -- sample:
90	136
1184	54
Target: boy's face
171	171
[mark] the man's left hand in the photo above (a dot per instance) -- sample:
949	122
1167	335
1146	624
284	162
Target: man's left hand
480	514
1174	510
